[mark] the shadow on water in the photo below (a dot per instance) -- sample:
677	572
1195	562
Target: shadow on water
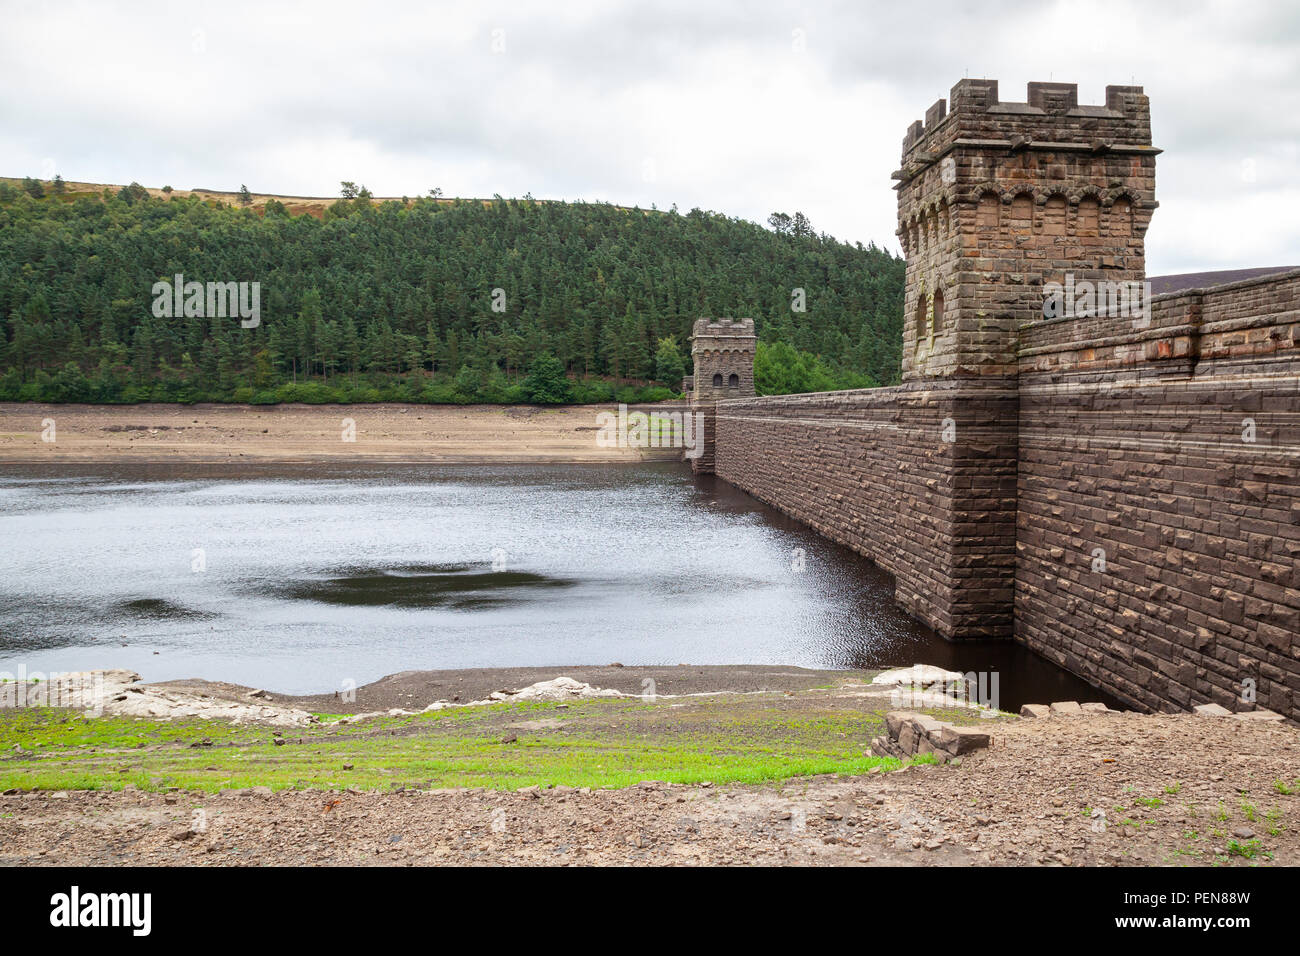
461	587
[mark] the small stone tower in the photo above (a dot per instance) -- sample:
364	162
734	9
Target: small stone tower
723	352
995	199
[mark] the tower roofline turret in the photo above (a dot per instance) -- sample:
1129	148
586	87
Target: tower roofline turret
1050	119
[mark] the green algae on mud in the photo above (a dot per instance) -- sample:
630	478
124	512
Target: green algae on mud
612	742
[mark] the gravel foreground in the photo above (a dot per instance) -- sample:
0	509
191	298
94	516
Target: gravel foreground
1124	789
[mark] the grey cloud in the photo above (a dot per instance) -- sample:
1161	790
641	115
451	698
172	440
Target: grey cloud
405	96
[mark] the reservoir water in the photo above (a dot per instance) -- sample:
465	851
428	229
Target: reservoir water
303	578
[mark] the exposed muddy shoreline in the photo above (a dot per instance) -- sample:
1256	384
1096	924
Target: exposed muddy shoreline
413	690
32	433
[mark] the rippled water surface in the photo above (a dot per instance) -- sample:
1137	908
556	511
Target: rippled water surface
302	577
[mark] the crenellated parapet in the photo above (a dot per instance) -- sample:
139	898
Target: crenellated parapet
1050	118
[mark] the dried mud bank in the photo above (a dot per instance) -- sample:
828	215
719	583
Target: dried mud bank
310	433
122	693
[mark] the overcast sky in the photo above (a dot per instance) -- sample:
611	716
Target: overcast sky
743	108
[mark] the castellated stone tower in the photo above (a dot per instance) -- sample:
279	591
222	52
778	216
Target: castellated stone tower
723	351
995	199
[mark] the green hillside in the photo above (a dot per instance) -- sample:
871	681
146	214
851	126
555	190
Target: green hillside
396	300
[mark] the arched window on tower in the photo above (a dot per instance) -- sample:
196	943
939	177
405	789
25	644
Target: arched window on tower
733	380
938	311
717	380
921	304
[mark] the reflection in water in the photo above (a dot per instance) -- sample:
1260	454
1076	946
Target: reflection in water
303	577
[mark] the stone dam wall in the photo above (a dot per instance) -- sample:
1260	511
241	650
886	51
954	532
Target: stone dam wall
1158	517
880	471
1128	505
